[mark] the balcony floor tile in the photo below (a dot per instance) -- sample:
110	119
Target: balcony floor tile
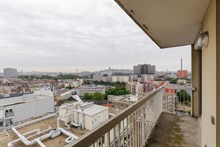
175	131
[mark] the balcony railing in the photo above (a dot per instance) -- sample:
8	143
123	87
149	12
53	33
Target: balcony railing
131	127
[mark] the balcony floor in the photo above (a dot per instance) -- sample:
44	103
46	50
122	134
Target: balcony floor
175	131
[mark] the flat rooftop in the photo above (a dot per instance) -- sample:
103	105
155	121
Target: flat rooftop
58	141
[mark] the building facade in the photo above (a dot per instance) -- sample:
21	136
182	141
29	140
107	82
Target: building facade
24	107
85	115
182	74
90	89
10	73
144	69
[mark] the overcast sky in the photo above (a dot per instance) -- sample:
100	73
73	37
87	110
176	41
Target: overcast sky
63	36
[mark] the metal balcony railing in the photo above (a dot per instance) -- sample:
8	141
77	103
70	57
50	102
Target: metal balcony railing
130	128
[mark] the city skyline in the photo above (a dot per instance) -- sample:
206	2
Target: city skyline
55	37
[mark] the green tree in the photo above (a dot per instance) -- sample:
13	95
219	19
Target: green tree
184	97
86	82
97	96
69	87
87	96
117	91
173	81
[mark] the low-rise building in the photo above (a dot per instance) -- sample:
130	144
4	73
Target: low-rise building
120	78
122	101
20	107
181	81
62	94
102	77
182	74
77	82
90	89
84	115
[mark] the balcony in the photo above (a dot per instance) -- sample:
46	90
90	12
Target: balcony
151	121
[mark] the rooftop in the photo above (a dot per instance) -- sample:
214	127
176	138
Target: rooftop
58	141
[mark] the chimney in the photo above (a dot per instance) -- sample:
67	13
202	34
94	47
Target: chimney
181	64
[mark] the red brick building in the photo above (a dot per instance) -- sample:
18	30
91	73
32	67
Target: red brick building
182	74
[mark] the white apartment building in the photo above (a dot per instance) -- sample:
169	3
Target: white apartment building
120	78
90	89
14	109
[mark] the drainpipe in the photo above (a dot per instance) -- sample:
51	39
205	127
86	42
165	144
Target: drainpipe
11	144
61	116
40	143
70	135
83	119
37	140
76	123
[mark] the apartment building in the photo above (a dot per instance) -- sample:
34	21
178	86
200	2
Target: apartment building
135	88
10	73
90	89
120	78
144	69
20	107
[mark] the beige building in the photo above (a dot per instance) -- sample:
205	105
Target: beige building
135	88
120	78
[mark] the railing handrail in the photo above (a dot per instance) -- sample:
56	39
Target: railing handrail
98	132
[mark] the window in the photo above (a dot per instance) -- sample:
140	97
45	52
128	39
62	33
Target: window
9	122
1	123
9	112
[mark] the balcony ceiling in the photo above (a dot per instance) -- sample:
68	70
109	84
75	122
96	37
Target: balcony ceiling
169	23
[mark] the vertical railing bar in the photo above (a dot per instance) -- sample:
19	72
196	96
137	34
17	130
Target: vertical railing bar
130	121
143	140
101	143
119	133
144	121
97	143
133	130
108	142
114	137
136	135
123	135
137	121
139	130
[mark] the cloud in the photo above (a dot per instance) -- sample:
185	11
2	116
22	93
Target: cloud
51	35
